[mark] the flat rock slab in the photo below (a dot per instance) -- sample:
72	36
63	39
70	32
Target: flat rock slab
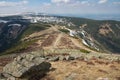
25	65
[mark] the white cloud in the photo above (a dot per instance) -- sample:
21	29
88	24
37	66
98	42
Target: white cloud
24	1
85	3
71	3
102	1
46	4
10	4
60	1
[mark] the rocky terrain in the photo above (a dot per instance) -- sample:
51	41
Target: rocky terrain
78	66
37	47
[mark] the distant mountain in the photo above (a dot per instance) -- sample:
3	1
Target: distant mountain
96	16
105	32
20	32
9	33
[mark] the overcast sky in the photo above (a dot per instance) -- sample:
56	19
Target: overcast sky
60	6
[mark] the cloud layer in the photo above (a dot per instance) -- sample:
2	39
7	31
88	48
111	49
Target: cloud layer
10	4
61	6
102	1
59	1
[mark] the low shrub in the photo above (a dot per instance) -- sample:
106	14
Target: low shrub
64	30
84	51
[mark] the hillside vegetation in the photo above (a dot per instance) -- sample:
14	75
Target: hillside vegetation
104	34
22	45
109	39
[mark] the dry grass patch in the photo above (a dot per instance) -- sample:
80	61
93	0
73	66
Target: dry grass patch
83	70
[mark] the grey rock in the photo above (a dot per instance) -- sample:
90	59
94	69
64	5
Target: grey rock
2	77
80	58
86	59
61	58
6	75
38	60
75	55
19	58
70	58
30	57
24	65
55	58
11	78
66	57
14	69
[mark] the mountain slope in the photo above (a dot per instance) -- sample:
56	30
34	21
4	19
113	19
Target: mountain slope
9	33
105	32
56	32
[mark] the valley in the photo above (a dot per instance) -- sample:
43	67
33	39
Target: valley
69	48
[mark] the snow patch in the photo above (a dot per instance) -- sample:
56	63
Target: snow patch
83	33
84	42
3	21
14	25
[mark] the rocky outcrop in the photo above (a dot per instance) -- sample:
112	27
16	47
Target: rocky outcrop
82	56
34	65
26	66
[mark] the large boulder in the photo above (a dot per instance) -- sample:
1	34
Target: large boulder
26	65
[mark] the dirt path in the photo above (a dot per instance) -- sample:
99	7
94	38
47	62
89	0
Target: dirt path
57	40
54	28
80	45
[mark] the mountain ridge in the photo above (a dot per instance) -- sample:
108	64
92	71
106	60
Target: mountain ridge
41	47
93	33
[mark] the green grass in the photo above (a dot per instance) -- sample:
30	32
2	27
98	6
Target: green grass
64	30
36	27
22	45
84	51
19	47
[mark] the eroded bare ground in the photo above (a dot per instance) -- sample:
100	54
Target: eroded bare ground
52	38
84	70
105	29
